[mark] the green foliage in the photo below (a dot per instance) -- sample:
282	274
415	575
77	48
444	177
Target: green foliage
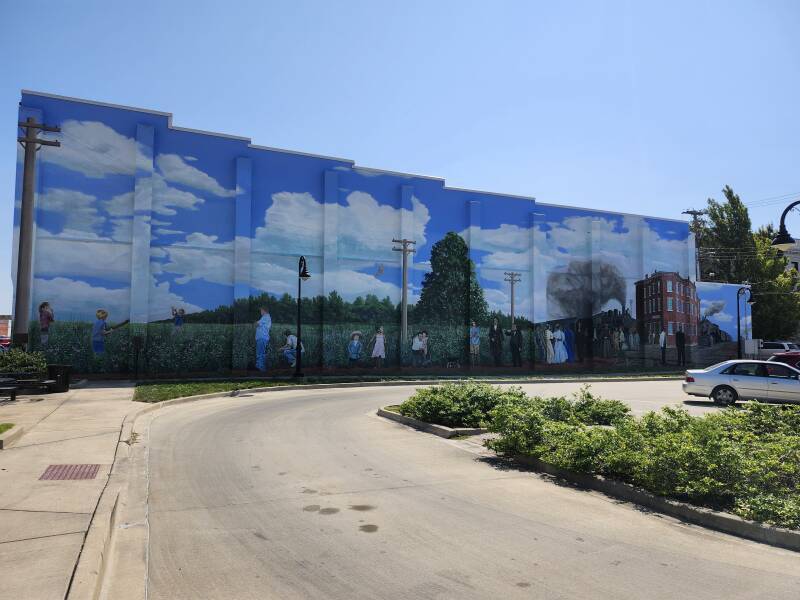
5	427
457	404
592	410
746	461
450	291
19	361
159	392
728	248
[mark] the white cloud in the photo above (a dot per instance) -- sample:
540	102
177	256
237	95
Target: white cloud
175	169
162	299
93	149
163	231
213	263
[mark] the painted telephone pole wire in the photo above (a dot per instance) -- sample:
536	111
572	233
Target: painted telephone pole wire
22	290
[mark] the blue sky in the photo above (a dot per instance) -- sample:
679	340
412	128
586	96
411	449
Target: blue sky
612	106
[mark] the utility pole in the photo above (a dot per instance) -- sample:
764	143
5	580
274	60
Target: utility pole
513	278
696	214
406	249
22	291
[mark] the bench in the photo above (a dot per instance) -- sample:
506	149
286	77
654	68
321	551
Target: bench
11	392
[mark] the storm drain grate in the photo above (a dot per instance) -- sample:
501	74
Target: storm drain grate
70	472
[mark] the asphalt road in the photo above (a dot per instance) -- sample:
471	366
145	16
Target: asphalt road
308	494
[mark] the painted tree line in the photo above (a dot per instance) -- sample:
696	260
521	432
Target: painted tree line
450	294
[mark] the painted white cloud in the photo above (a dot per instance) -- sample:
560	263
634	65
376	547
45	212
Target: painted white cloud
162	299
175	169
120	205
57	257
78	210
167	198
365	227
76	299
93	149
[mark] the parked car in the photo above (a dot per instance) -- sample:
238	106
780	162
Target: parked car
733	380
791	358
767	349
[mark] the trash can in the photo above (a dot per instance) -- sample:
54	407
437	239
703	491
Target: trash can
60	374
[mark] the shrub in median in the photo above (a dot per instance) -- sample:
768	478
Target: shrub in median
746	461
458	404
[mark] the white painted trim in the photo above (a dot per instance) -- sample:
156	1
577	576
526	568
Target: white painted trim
612	212
298	152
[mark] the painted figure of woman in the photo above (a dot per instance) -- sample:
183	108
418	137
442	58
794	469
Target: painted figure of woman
46	317
548	345
559	348
378	348
569	343
263	326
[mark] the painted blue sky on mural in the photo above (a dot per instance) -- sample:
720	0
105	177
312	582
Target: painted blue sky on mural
86	212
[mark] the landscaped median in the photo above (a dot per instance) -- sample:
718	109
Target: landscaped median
744	461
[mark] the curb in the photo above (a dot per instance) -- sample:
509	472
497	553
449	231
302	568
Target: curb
440	430
360	384
706	517
10	436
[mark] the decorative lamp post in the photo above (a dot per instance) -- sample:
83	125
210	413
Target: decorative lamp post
740	292
783	241
302	275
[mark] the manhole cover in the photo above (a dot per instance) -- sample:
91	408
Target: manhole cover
70	472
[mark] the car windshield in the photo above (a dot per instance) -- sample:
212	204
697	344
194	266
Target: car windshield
793	346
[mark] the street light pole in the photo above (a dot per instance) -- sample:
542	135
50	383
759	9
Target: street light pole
302	275
739	293
783	241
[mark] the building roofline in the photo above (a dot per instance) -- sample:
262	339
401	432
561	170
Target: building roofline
613	212
350	162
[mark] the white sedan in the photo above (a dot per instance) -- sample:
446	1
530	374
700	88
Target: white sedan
733	380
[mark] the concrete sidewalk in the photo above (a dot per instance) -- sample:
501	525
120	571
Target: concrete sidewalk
43	524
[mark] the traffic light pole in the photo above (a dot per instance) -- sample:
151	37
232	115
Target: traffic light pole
22	290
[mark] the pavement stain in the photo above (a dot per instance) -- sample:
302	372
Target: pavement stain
311	508
523	584
328	511
362	507
308	491
368	528
260	536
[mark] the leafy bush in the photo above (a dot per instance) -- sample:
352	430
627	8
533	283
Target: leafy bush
19	361
592	410
458	404
745	461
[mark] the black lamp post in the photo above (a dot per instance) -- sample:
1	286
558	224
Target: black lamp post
302	275
783	241
740	292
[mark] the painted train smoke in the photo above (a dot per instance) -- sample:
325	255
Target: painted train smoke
583	288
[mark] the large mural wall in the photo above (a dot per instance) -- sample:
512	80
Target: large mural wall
164	250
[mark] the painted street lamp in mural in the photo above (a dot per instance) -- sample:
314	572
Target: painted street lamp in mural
302	275
750	301
783	241
406	249
513	278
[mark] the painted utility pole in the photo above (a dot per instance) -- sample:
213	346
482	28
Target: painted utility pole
513	278
696	214
22	290
406	249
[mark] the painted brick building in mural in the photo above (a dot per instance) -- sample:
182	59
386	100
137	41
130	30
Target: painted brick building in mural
668	301
188	234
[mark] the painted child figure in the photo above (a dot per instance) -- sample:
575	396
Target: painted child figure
474	344
100	330
45	318
378	348
354	348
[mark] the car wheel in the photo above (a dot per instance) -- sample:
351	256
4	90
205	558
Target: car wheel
724	395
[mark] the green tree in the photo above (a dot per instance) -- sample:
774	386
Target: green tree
776	312
727	246
450	291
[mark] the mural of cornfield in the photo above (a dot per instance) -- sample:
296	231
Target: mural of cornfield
171	253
